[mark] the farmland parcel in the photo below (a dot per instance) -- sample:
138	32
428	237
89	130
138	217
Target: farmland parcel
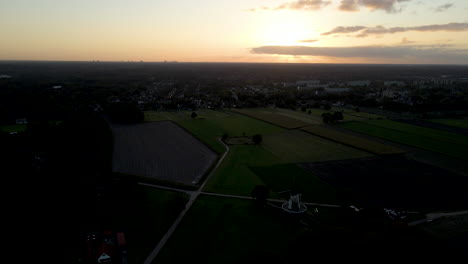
160	150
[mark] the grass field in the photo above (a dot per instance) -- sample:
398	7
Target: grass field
348	114
297	146
210	125
151	116
396	182
421	131
225	230
411	139
285	177
461	123
160	150
234	176
145	216
13	128
280	118
354	141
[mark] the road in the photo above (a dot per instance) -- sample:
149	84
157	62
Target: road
193	196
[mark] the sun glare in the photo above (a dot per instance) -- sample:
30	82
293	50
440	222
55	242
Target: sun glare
285	33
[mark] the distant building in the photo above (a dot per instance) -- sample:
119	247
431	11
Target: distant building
20	121
307	82
364	83
394	84
336	90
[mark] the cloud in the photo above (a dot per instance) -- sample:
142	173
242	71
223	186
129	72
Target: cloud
349	5
308	40
311	5
406	41
390	6
436	53
442	8
380	30
342	30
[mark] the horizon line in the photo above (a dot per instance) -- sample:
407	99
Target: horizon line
227	62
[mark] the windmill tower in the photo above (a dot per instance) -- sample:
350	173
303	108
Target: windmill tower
294	204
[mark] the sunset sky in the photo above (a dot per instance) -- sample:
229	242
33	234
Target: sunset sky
315	31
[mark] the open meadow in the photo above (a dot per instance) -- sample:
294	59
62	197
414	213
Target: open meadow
429	139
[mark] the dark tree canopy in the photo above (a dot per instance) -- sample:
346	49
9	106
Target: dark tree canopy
194	115
260	193
337	116
257	139
125	113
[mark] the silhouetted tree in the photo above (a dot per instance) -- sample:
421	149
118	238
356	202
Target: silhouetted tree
257	139
225	136
260	194
125	113
337	116
309	112
194	115
327	118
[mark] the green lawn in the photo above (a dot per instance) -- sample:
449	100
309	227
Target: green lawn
291	177
13	128
462	123
351	140
225	230
151	116
297	146
349	115
422	131
234	176
416	140
210	125
145	216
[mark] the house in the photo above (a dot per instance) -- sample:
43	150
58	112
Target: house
20	121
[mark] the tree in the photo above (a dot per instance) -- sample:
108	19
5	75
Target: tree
194	115
126	113
303	109
260	194
327	118
225	136
337	116
309	112
257	139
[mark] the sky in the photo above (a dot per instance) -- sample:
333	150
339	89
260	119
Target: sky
293	31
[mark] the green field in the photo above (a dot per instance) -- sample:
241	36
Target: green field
354	141
461	123
291	177
348	114
13	128
151	116
297	146
144	214
280	118
234	176
226	230
210	125
421	131
411	139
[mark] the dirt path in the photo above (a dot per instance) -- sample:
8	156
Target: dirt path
193	196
